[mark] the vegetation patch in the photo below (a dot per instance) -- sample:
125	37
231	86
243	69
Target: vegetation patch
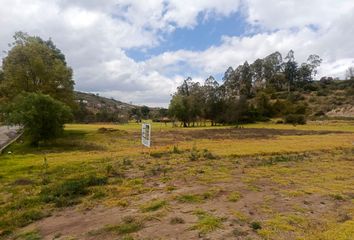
31	235
69	192
153	205
129	225
207	222
234	196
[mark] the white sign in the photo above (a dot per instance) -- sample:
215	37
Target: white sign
146	134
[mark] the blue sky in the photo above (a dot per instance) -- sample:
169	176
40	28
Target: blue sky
140	51
208	32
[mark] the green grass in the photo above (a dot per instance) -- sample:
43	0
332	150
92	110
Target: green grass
207	223
190	198
68	193
125	228
89	167
31	235
153	205
234	196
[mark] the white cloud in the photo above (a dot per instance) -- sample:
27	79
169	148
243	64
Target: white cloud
332	41
95	35
280	14
185	12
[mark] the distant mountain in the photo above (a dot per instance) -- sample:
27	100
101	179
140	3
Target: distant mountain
95	108
96	103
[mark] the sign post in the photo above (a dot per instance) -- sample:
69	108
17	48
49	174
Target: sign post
146	134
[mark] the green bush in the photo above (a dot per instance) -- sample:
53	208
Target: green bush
295	119
41	116
256	225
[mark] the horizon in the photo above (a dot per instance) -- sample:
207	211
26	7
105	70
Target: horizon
141	53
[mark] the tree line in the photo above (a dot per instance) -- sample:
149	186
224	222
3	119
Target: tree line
244	93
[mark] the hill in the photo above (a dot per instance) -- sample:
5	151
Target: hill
95	108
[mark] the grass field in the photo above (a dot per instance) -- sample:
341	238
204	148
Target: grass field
258	181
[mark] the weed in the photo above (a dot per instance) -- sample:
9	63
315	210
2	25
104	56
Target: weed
208	155
190	198
99	195
157	170
234	197
44	172
282	158
338	197
256	225
24	218
127	162
68	192
240	216
129	225
32	235
112	172
153	205
176	150
207	222
194	154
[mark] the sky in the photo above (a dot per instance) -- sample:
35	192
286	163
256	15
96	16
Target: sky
140	51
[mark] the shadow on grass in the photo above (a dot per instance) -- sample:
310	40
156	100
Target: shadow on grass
71	140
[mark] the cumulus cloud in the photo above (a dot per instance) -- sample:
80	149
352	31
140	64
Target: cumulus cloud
95	36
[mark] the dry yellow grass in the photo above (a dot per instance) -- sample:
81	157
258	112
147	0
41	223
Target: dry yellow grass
284	194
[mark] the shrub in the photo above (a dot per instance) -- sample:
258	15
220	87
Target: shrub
295	119
194	154
208	155
41	116
256	225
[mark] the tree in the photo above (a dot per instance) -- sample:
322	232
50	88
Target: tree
212	99
179	109
246	80
35	65
273	71
263	105
136	114
145	112
290	69
228	74
304	74
314	61
41	116
232	83
1	84
350	73
257	74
